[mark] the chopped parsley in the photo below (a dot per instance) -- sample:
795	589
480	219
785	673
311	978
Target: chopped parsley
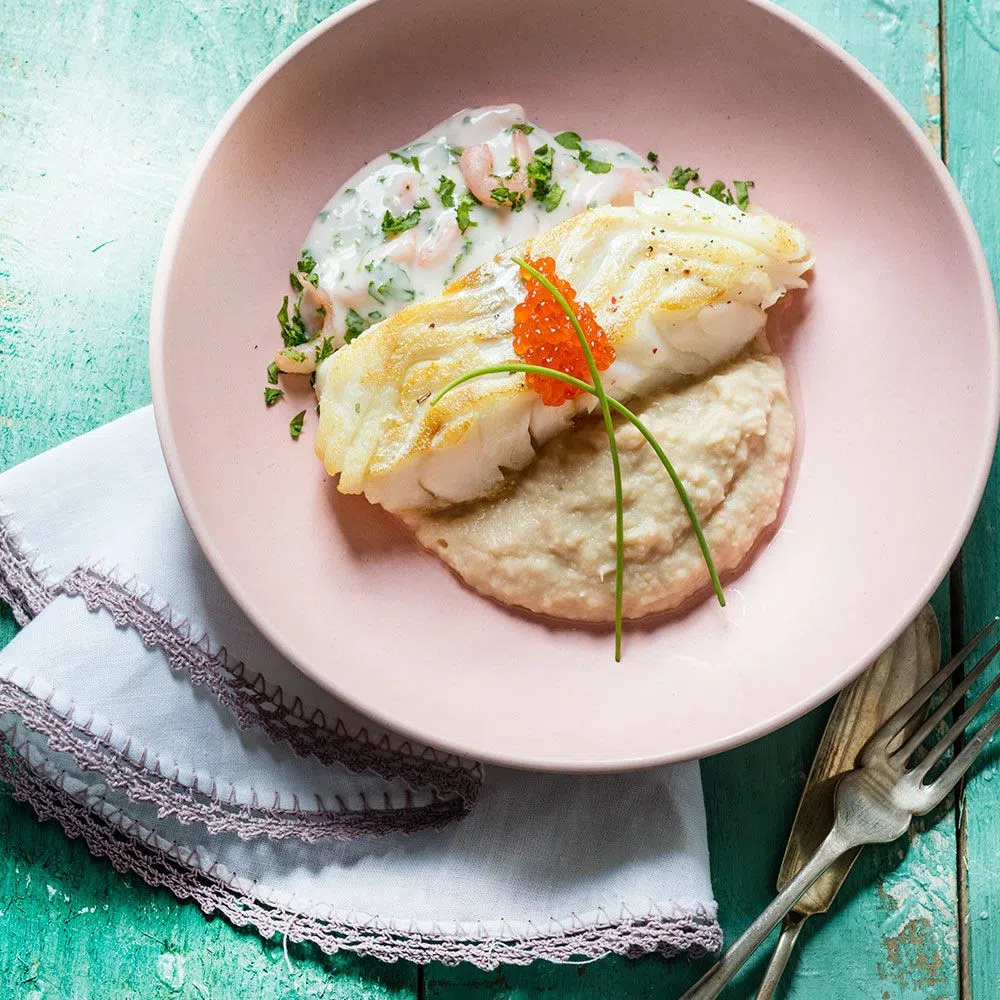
462	213
462	254
720	192
569	140
272	372
272	395
594	166
295	425
388	290
552	197
295	281
375	316
293	331
503	195
742	193
356	325
522	127
421	204
680	177
446	191
324	350
455	151
393	225
539	172
293	355
306	266
413	161
653	158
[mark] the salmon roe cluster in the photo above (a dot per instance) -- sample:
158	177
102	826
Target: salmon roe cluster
544	335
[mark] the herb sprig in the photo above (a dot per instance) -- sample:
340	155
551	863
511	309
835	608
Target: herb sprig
680	177
607	404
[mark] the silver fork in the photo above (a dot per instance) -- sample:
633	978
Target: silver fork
876	801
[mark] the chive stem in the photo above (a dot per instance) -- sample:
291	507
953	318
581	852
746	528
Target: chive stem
632	419
602	398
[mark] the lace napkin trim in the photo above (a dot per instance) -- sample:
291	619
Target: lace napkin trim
131	848
252	701
145	781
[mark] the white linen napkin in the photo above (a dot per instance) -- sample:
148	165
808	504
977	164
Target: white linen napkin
141	710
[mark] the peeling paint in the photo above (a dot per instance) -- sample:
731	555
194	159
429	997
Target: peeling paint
890	16
170	970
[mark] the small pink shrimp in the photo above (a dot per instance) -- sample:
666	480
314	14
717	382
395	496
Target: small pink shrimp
476	164
403	248
351	298
316	308
402	192
630	181
444	241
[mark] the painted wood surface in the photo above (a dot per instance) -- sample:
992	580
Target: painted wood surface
101	115
972	38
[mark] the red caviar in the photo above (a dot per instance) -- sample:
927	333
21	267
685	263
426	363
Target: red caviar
544	335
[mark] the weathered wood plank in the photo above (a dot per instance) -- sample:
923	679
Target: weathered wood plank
973	90
101	115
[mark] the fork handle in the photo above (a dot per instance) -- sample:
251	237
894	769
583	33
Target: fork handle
713	982
790	928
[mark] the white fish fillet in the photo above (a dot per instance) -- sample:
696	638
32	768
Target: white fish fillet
680	282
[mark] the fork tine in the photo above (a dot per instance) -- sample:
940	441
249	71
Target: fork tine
891	728
948	778
938	750
906	750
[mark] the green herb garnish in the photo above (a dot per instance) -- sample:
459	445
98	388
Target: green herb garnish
462	213
594	166
455	151
295	281
413	161
297	357
272	395
607	404
743	193
393	225
522	127
421	204
539	172
295	425
272	372
293	331
552	197
356	325
324	350
462	254
680	177
446	191
653	158
569	140
501	194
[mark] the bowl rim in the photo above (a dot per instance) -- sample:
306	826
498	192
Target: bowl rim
190	508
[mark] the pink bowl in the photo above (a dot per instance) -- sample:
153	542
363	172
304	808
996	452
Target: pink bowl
894	350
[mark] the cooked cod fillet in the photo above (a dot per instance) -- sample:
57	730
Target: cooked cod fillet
680	282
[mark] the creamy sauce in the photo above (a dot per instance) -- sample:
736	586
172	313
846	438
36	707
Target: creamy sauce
369	270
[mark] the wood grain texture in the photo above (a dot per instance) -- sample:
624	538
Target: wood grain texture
973	61
101	115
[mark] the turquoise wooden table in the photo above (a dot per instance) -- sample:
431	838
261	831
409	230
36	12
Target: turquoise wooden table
103	105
